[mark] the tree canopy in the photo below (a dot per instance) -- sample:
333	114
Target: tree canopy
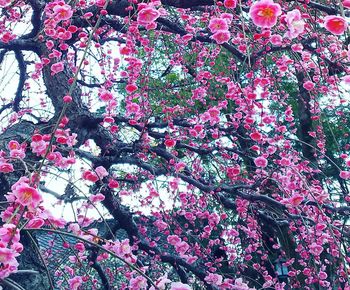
195	144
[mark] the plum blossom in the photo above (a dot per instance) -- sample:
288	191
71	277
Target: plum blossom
96	197
124	250
62	12
147	15
8	262
221	36
344	174
17	153
346	4
230	4
101	172
170	143
217	24
346	79
173	239
264	13
214	279
132	108
106	96
162	281
138	283
182	247
4	3
232	172
90	176
179	286
35	223
240	285
276	39
9	232
39	147
315	249
335	24
295	24
75	282
130	88
308	85
112	183
12	145
57	68
27	195
295	200
260	161
6	167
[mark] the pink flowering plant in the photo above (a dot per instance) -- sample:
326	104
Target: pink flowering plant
174	144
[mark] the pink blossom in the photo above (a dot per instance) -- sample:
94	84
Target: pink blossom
62	12
4	3
182	247
75	282
27	195
260	161
322	275
240	285
57	67
17	153
180	166
162	281
221	36
132	108
173	239
6	167
9	232
295	23
214	279
231	172
335	24
101	172
346	4
285	162
80	247
39	147
35	223
106	96
344	174
179	286
13	145
276	39
264	13
138	283
96	197
147	15
296	199
123	249
217	24
308	85
8	262
346	79
315	249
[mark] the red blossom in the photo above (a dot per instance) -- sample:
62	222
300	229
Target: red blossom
335	24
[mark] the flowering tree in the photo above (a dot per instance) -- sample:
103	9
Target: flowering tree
199	144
